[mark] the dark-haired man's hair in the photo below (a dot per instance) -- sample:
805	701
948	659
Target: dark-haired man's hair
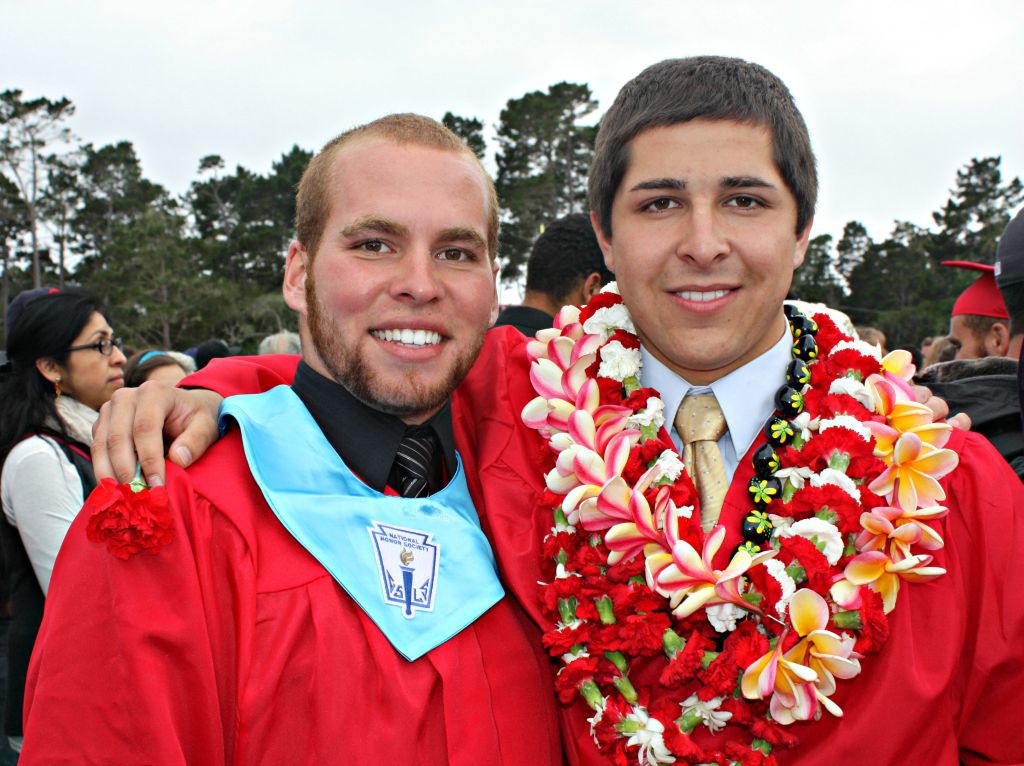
563	256
709	88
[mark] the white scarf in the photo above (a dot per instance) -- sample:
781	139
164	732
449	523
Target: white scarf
77	418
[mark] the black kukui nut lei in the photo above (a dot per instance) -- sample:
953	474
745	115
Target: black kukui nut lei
779	432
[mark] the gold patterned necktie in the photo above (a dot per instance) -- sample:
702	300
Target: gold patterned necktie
700	424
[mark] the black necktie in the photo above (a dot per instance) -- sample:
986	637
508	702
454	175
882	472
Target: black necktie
415	461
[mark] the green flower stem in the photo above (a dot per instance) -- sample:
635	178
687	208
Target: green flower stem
137	484
625	687
672	643
618	660
851	546
628	727
762	745
605	610
708	658
560	520
590	692
631	384
690	721
788	490
567	609
797	572
839	461
850	620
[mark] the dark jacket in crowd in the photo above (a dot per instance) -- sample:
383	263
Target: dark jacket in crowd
986	389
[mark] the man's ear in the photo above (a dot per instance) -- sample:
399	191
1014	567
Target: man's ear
591	286
604	241
997	342
494	304
296	270
802	241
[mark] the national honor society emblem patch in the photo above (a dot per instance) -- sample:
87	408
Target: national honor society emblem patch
407	563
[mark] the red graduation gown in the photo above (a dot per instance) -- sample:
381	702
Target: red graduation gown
233	645
947	686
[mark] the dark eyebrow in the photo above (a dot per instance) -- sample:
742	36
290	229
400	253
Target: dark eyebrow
372	223
746	182
660	183
463	234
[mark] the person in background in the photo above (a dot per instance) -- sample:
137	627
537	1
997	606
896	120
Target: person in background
983	381
154	364
1009	273
283	342
979	320
63	364
566	267
944	348
209	350
872	335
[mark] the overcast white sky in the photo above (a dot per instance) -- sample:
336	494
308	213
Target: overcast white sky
898	95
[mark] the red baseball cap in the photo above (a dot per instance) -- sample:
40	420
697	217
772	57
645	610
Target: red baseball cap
983	297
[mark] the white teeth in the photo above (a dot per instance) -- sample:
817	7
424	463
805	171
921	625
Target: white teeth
407	337
700	297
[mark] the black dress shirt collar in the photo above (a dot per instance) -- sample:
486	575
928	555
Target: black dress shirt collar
365	438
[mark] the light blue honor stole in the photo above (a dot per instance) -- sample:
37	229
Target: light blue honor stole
420	568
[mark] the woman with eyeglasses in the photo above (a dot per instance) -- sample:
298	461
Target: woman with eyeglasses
63	363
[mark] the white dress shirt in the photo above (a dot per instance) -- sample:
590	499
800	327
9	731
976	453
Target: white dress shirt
746	396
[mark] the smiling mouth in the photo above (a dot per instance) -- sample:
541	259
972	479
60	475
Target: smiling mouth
409	338
702	297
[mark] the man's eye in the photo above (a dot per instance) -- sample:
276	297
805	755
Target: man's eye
374	246
744	202
662	203
454	254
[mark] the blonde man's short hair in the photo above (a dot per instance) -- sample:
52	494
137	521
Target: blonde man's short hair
313	202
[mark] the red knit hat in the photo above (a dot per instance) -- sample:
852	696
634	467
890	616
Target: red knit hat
982	298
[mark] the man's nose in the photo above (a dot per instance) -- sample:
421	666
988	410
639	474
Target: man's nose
702	238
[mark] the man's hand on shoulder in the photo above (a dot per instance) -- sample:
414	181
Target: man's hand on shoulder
132	425
940	409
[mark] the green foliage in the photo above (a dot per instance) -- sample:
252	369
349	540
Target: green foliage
469	129
900	286
815	280
177	271
27	130
543	158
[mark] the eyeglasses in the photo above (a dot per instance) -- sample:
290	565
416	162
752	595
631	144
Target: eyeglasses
105	346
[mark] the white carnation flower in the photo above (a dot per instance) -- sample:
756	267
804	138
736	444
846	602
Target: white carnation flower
723	616
846	421
619	362
778	570
821	533
612	287
839	479
607	320
862	347
854	388
669	466
651	415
